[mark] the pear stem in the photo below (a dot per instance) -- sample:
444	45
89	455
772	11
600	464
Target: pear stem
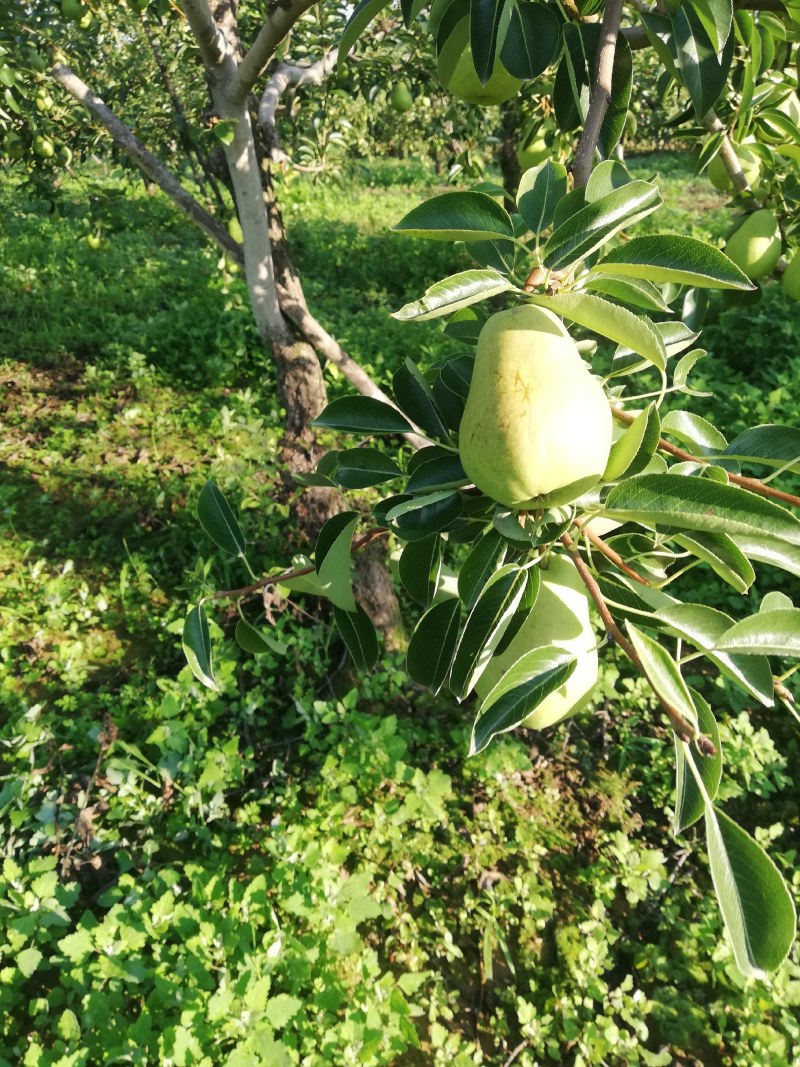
684	730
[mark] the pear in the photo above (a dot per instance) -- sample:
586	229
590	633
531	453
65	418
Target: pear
464	84
791	278
536	429
534	151
755	247
749	162
560	617
400	98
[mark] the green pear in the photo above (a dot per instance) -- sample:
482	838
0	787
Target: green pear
749	162
43	147
791	278
755	247
536	429
400	98
464	84
534	152
235	230
560	617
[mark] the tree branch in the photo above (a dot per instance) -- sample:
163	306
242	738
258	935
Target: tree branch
285	75
684	729
210	41
124	138
282	15
609	552
753	484
601	94
727	154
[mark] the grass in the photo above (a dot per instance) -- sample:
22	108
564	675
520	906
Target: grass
304	868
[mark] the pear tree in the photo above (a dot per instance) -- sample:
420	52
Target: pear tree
558	505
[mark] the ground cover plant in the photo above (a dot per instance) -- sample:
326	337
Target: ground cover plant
303	867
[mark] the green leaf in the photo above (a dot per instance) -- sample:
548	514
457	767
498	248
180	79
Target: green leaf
28	960
419	568
484	27
689	802
414	396
197	646
776	601
304	583
433	643
662	673
669	257
723	556
716	17
364	13
466	325
770	550
694	431
362	414
219	521
596	223
519	692
531	40
359	468
410	9
485	626
451	388
458	216
359	635
609	320
575	77
442	472
539	192
769	633
770	445
632	291
605	178
332	559
256	642
700	504
453	293
425	515
281	1009
703	70
631	453
486	556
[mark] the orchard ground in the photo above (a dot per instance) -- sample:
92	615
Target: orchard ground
296	869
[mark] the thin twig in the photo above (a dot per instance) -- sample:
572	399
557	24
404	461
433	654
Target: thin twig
609	552
601	94
684	730
727	153
753	484
285	576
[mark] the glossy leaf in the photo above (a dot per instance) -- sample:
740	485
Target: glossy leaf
424	515
540	190
701	436
359	468
519	692
414	396
773	551
451	388
769	633
364	415
770	446
358	633
716	17
466	324
485	625
596	223
257	643
332	559
669	257
704	72
484	28
531	40
635	292
197	646
462	216
700	504
689	802
609	320
632	452
218	520
419	568
721	554
486	557
433	643
442	472
662	673
454	293
363	14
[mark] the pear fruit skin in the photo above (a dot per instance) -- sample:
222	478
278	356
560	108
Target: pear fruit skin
749	162
536	428
464	83
533	153
755	247
400	98
791	278
560	617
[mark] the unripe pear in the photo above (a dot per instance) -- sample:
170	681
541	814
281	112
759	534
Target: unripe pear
560	617
464	83
534	152
43	147
791	278
235	230
749	162
755	247
536	429
401	99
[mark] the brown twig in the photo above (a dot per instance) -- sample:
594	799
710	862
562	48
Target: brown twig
684	730
285	576
753	484
601	93
609	552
